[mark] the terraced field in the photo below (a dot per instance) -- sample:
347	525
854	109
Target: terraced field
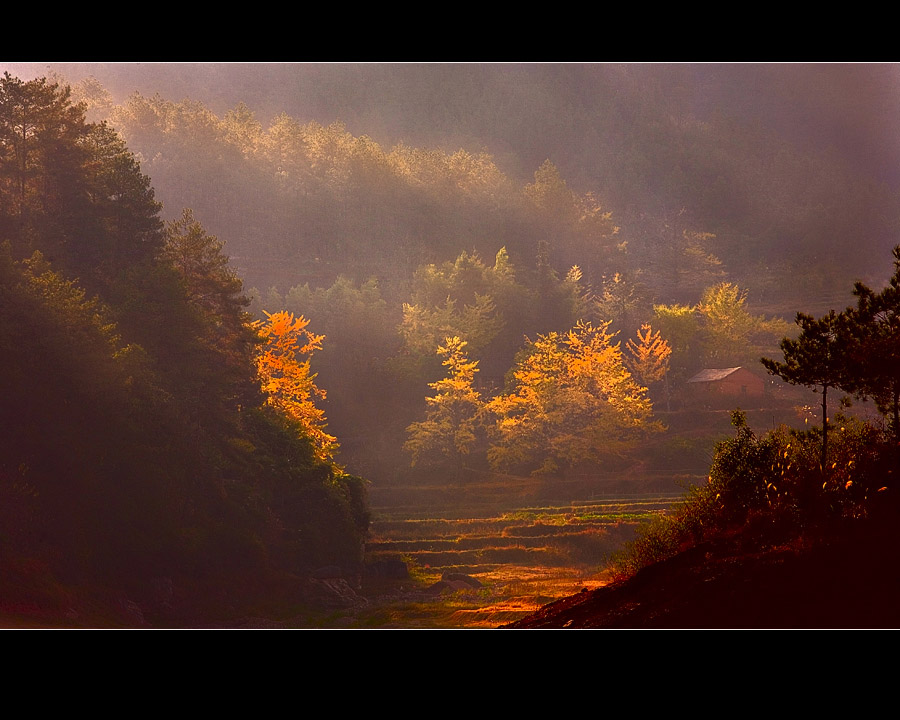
471	568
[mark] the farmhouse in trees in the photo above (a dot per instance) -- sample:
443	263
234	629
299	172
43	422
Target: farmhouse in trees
729	383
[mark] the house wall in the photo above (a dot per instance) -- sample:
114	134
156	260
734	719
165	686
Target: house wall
740	383
742	388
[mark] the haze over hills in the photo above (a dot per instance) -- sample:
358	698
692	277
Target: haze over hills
516	268
730	149
649	139
849	106
657	180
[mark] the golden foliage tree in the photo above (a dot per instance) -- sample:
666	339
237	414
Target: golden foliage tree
453	412
649	356
732	334
283	367
574	401
422	327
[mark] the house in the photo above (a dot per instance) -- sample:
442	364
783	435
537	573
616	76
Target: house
726	383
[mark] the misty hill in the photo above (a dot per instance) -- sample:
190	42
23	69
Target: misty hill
610	191
789	166
489	240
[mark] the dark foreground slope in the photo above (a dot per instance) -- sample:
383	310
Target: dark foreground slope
847	577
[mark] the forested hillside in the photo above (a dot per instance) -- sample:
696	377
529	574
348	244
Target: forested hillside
389	252
282	278
140	460
782	163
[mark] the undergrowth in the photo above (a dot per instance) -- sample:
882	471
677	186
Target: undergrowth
775	482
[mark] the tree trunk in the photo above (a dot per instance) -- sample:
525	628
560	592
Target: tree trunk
897	411
825	431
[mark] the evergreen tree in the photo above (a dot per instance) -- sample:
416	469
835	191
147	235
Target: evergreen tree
816	359
73	184
221	329
873	339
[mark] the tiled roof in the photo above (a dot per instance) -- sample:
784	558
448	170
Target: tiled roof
712	374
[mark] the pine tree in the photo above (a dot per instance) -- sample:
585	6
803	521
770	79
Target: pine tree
873	345
215	294
816	359
73	184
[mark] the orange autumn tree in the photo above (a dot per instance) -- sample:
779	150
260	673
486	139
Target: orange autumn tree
648	358
573	403
649	361
282	364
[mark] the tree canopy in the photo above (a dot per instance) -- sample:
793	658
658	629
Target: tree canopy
816	359
857	350
873	336
451	423
283	366
71	187
572	401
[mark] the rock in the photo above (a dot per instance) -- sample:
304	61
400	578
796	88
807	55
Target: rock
468	580
334	593
329	572
392	569
437	588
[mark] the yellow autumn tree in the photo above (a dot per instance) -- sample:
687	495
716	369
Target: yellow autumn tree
453	412
282	364
649	356
731	334
574	401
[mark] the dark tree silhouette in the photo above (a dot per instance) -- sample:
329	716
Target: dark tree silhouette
874	351
816	359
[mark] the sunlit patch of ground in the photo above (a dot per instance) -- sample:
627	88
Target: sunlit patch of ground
508	594
524	558
519	591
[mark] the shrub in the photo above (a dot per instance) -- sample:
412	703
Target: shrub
777	478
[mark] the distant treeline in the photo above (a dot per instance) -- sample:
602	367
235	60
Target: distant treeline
784	214
384	250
